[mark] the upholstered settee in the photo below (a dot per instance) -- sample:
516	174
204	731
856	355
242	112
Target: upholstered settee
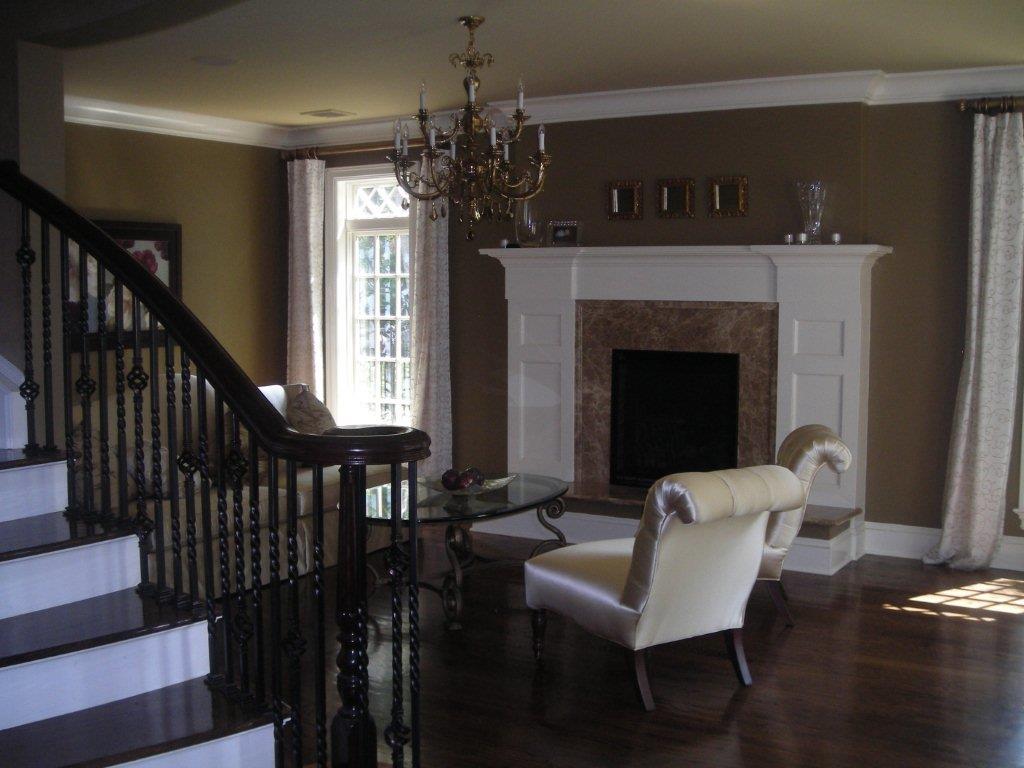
283	398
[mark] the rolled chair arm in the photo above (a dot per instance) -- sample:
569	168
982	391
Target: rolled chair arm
804	452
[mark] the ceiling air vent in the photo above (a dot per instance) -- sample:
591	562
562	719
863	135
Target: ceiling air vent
327	113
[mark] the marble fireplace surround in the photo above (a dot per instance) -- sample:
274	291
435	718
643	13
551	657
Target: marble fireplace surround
749	329
823	295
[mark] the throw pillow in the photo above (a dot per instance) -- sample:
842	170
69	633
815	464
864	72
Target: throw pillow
307	414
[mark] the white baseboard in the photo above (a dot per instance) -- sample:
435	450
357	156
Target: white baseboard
249	749
913	542
822	556
102	674
38	489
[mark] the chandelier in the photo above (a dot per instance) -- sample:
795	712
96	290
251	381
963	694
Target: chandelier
469	164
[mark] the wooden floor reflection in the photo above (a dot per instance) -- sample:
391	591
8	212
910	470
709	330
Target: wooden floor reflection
879	671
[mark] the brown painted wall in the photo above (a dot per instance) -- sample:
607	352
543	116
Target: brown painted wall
917	198
230	201
900	177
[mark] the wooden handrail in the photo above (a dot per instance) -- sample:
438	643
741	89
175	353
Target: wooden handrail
342	445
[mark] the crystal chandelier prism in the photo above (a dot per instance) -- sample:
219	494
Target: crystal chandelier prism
468	166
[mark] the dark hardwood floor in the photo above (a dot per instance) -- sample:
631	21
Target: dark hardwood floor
867	677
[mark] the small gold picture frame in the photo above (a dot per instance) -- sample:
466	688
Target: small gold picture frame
675	198
625	200
727	196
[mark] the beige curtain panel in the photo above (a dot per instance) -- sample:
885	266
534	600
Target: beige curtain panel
306	274
982	441
431	356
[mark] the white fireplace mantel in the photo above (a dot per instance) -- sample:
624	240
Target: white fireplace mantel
824	298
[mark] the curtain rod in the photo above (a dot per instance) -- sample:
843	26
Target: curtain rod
993	106
310	153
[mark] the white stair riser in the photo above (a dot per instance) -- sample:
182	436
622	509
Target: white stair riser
38	489
56	686
249	749
68	575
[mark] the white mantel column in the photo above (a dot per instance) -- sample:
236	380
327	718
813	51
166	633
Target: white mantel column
824	297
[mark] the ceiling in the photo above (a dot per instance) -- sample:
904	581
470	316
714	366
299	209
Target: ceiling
368	57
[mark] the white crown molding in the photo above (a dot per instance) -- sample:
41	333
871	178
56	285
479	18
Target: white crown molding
131	117
829	88
871	87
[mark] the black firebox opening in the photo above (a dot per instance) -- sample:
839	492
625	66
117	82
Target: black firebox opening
672	412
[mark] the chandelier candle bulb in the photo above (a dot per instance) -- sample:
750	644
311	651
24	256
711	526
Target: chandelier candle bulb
405	140
398	136
505	148
423	96
431	137
472	93
494	136
540	137
520	95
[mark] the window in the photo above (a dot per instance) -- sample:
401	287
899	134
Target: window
369	335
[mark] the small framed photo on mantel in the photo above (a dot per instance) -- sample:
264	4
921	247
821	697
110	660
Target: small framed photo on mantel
564	233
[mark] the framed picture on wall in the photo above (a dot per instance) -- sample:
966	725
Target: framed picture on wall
155	246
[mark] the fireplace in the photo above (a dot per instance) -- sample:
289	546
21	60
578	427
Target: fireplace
797	315
672	412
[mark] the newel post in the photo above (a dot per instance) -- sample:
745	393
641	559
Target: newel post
353	732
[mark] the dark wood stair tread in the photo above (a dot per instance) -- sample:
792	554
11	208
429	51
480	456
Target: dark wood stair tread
48	533
12	458
85	624
170	718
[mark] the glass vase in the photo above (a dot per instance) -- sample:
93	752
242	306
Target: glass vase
811	195
528	224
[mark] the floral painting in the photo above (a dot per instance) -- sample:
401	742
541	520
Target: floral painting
157	247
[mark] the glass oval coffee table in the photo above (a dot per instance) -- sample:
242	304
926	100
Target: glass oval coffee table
524	492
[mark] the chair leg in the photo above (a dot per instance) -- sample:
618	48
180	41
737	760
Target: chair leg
643	685
539	622
734	645
781	600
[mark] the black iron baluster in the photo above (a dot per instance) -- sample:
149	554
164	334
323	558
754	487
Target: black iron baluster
414	617
188	464
273	523
67	328
181	599
294	642
29	389
320	666
396	735
222	542
353	732
119	389
44	247
237	468
101	331
157	481
215	679
256	567
138	380
85	386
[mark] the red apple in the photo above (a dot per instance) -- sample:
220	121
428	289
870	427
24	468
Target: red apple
450	479
466	479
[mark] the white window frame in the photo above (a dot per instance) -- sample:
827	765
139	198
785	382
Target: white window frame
338	271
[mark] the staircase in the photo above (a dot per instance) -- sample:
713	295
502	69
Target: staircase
92	673
163	590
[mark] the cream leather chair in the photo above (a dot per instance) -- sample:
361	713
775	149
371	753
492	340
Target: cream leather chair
688	572
804	452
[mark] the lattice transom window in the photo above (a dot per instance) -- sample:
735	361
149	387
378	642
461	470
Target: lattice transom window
383	336
377	201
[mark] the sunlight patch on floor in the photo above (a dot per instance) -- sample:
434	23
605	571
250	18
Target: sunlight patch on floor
1004	596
